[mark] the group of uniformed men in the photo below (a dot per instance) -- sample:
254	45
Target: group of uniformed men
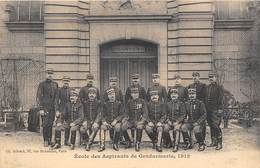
165	117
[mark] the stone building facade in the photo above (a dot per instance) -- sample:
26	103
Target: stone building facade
120	37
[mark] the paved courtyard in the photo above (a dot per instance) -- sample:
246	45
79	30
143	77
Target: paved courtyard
25	149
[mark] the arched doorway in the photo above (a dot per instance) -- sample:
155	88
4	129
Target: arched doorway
122	58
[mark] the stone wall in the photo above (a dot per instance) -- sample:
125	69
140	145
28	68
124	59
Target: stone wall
190	34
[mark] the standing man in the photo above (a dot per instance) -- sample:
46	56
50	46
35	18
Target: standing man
112	115
137	113
176	113
63	113
135	79
214	106
157	87
83	93
113	83
200	94
182	91
45	98
156	118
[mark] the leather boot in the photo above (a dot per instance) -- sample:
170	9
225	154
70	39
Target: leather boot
66	136
186	140
72	140
175	142
138	139
102	141
115	141
219	144
84	138
57	144
199	138
127	139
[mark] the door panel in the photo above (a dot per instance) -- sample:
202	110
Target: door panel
123	68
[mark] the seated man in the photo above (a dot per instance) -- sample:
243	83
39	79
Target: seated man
196	117
77	117
92	117
136	112
176	113
112	115
156	118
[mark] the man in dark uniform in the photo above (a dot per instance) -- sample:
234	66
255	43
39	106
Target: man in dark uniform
200	93
157	87
77	116
182	91
183	96
196	117
112	115
92	118
83	93
176	114
156	118
45	98
135	84
113	83
214	106
137	113
63	113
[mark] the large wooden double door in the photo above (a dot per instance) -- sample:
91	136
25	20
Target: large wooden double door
121	59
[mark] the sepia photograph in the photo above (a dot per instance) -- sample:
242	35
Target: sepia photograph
130	83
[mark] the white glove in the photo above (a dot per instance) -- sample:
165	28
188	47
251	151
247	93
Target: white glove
41	112
59	124
169	122
72	124
159	124
150	124
95	125
85	124
57	114
114	123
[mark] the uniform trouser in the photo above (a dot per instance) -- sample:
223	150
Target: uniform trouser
176	130
93	129
214	121
47	122
73	134
225	119
113	131
58	129
136	126
154	133
197	130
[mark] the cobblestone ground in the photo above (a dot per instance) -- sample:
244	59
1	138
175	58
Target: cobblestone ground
25	149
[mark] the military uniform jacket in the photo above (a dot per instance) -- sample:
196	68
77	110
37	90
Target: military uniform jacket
161	91
183	92
63	102
200	90
214	97
142	93
112	111
136	110
118	92
92	110
83	93
156	112
46	94
176	111
77	114
196	111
